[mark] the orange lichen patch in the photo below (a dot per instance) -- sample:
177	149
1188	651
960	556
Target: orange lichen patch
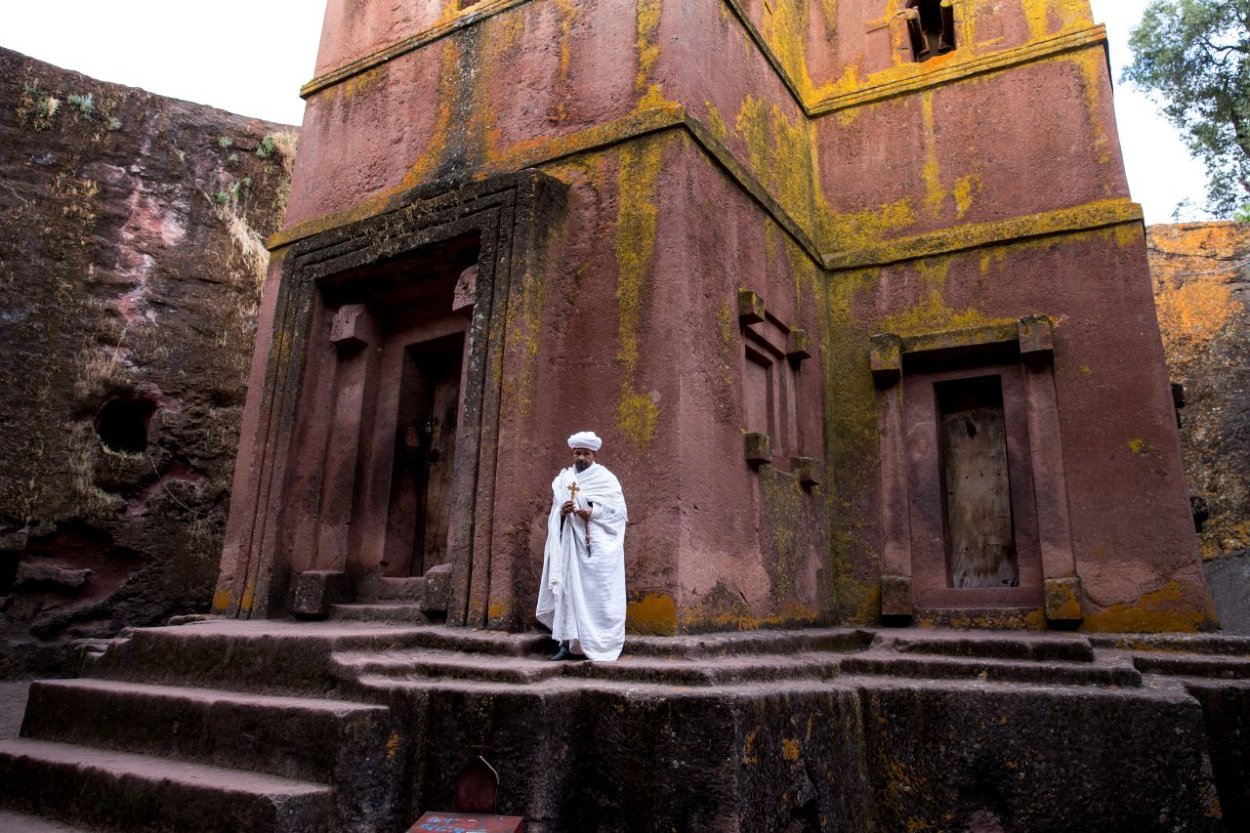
1171	608
496	609
654	614
249	596
221	600
392	745
749	758
790	749
1192	314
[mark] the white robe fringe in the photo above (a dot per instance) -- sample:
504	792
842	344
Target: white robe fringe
582	594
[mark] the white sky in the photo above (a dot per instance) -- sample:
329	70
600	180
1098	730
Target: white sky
251	57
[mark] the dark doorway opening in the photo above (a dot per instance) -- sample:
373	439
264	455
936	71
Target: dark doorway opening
976	495
425	445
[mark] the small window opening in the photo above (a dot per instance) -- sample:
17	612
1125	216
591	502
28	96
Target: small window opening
930	27
122	425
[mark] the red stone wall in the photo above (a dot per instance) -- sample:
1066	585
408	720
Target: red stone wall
710	147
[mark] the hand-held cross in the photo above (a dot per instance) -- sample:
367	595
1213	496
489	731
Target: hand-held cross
573	490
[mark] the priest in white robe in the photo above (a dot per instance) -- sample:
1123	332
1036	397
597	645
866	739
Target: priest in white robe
582	593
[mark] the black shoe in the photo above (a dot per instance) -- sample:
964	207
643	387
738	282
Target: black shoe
563	654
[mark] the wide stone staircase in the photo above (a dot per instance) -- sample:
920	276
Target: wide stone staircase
358	726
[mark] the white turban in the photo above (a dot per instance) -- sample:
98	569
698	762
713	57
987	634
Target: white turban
585	439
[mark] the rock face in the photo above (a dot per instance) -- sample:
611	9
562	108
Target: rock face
129	282
1202	289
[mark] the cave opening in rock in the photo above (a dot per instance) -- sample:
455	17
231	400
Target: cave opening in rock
122	425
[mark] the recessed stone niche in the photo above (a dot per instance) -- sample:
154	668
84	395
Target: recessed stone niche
974	497
122	424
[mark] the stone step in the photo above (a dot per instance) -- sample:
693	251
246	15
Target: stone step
414	665
1219	644
268	656
748	643
22	823
442	665
122	792
405	611
294	737
1194	665
988	645
1051	672
728	670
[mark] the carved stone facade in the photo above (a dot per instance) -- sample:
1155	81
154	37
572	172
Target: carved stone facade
757	247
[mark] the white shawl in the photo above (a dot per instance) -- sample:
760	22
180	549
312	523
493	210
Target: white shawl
582	594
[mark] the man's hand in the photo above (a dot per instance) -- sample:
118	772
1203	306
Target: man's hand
569	508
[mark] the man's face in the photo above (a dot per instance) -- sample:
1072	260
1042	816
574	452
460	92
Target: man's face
582	458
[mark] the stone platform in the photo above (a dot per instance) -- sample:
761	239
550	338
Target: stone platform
355	726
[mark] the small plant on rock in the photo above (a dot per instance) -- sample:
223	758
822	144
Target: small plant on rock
84	104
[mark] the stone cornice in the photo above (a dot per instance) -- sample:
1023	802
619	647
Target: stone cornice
962	70
952	72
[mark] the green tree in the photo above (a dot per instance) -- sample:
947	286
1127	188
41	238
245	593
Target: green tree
1193	58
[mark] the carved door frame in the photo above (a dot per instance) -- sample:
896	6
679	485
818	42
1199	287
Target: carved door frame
511	214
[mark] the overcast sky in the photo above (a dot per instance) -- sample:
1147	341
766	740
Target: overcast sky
252	56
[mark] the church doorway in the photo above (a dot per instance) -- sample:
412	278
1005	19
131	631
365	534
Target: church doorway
427	421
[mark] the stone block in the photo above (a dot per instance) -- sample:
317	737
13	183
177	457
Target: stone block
809	471
465	295
1037	341
49	575
437	588
314	591
896	596
352	327
798	345
1063	599
759	448
750	307
885	358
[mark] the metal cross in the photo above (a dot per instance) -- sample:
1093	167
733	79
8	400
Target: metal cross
573	490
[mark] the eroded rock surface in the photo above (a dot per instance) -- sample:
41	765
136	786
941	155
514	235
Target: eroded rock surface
1202	289
130	265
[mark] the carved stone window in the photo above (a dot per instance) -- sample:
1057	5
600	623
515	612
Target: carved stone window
772	389
930	28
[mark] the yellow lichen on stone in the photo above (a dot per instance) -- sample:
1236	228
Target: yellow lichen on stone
637	181
935	194
966	190
1170	608
648	19
790	749
1046	17
860	229
716	123
221	600
654	614
436	148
